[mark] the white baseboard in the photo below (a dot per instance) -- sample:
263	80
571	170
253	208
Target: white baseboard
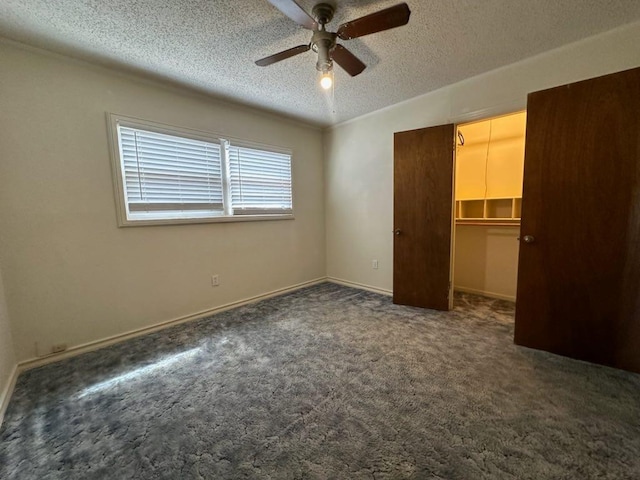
361	286
105	342
499	296
384	291
7	391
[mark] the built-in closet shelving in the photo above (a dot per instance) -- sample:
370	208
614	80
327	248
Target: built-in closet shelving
493	211
489	170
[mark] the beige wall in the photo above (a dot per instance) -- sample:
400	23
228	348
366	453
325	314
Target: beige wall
7	354
486	260
71	275
359	153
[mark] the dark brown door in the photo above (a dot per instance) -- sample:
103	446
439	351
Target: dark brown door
579	267
423	216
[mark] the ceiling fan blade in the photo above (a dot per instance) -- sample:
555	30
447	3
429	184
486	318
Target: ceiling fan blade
376	22
347	60
295	12
276	57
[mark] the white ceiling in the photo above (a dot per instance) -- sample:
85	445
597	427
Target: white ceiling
211	45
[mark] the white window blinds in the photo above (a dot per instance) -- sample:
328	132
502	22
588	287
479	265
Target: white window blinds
260	181
169	173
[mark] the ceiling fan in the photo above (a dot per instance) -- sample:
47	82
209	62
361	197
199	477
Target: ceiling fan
324	42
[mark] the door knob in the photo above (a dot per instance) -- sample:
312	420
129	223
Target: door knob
529	239
397	231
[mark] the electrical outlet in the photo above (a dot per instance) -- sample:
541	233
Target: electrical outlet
374	264
60	347
215	280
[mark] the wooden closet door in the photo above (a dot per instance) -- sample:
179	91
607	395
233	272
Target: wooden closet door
579	265
423	217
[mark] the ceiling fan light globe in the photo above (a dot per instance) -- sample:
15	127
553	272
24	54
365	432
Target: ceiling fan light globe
326	81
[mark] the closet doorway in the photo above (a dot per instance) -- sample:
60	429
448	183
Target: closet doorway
464	220
488	204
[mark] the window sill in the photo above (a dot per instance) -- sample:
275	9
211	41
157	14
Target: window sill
195	220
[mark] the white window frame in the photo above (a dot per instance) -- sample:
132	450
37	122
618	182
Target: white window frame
117	167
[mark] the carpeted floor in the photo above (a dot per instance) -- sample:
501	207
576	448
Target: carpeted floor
326	382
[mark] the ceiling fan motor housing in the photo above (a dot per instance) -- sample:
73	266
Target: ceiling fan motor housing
323	42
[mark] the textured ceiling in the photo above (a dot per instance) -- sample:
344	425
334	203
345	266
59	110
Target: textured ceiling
211	44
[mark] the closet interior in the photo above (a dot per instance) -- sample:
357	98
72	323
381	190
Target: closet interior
488	202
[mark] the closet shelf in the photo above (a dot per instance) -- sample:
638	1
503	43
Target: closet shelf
483	222
489	211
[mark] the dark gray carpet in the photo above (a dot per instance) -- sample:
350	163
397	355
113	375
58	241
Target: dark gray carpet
326	382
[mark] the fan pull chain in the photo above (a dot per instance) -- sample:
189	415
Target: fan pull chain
333	93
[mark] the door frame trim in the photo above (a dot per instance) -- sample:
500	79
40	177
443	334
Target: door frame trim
506	108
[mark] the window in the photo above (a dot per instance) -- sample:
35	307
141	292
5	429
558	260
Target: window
260	180
167	175
170	175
